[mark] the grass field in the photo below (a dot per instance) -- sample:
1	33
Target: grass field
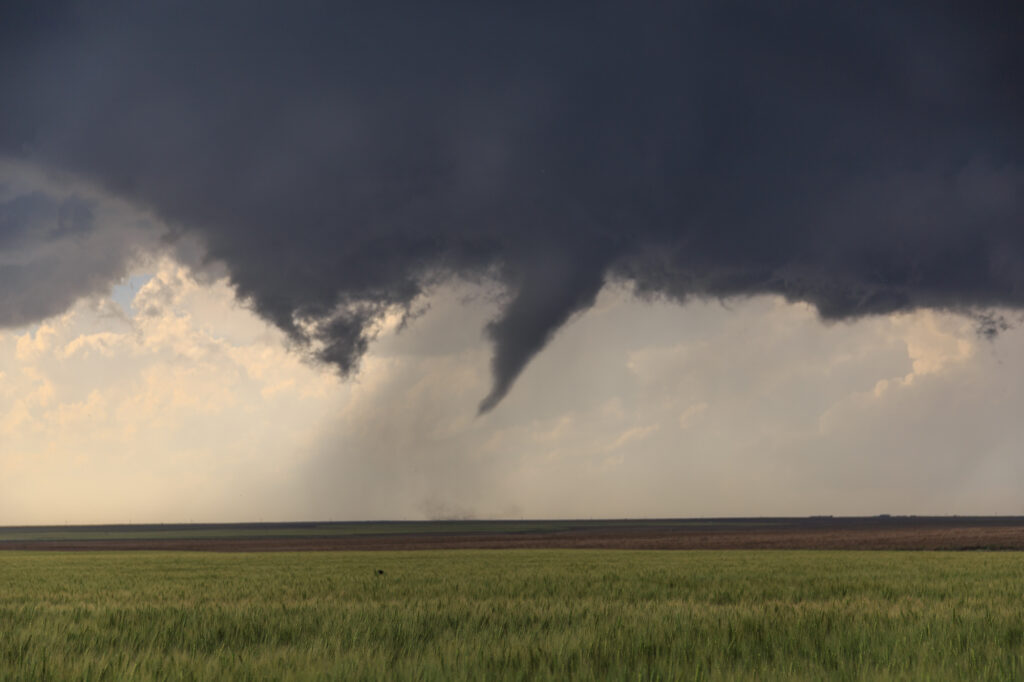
477	615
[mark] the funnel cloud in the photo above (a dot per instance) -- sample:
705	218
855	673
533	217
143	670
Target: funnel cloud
342	160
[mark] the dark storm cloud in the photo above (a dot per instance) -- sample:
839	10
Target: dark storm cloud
341	158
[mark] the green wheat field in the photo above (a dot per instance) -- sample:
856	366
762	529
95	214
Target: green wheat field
512	615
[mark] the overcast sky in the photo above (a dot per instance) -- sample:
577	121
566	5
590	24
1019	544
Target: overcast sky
415	261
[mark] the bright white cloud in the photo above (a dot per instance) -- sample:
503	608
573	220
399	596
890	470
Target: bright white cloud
191	407
182	411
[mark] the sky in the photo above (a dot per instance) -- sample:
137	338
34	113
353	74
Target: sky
459	261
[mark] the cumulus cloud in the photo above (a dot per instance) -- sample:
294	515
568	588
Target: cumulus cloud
342	161
179	411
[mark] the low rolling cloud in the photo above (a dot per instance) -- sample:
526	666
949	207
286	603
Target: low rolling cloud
60	242
344	161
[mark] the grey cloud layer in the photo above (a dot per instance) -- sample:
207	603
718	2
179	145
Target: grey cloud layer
341	160
59	243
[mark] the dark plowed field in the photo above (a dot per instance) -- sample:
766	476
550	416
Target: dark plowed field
874	533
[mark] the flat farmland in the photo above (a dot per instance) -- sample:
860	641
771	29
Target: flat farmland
512	615
865	533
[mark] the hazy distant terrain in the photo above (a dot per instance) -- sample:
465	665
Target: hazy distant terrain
876	532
